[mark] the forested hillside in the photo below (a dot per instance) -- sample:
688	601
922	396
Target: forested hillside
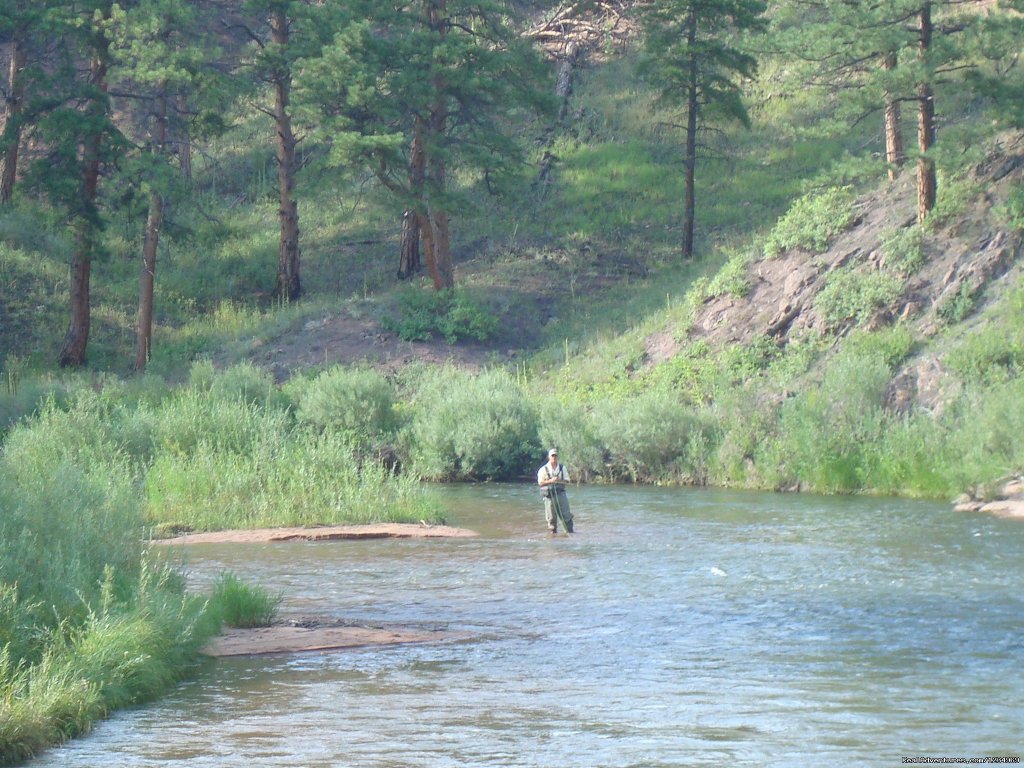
604	199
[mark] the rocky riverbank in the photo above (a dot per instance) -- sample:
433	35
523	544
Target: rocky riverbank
1006	501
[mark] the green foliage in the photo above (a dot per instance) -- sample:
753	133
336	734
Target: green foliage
471	426
954	195
282	477
825	434
985	430
956	306
732	278
890	345
238	604
451	313
852	295
1012	210
92	624
572	429
992	352
654	437
903	250
699	44
241	383
358	402
694	372
812	221
120	655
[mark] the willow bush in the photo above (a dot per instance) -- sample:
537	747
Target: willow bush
824	432
571	429
470	426
87	624
655	437
357	402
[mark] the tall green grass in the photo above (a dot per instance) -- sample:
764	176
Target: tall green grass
88	624
238	604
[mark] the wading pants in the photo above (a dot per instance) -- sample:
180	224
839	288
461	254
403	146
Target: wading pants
562	500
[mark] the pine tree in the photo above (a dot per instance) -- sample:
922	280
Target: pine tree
411	90
159	56
79	137
876	56
283	32
696	61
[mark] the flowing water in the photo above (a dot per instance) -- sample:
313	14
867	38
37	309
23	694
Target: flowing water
675	628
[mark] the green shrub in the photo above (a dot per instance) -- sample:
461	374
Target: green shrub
286	478
225	425
953	196
654	437
19	623
452	314
1012	210
825	434
990	355
694	372
732	278
957	306
243	605
358	402
746	419
993	352
243	382
851	295
25	396
120	654
465	425
985	431
889	345
812	221
914	457
903	250
571	429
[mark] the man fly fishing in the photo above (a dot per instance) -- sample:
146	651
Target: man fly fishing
552	478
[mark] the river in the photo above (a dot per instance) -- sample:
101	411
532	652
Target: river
675	628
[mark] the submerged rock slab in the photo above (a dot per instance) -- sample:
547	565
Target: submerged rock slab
322	533
292	638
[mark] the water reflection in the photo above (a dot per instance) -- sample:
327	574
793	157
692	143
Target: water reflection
677	628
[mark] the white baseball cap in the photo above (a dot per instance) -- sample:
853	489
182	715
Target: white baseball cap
552	452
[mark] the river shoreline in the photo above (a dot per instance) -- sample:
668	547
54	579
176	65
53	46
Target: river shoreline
307	635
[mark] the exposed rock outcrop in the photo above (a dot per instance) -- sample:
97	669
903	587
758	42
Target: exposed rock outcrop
1007	500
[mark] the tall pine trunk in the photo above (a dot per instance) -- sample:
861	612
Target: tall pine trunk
412	219
409	256
926	181
894	152
692	105
154	223
73	349
12	127
288	284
